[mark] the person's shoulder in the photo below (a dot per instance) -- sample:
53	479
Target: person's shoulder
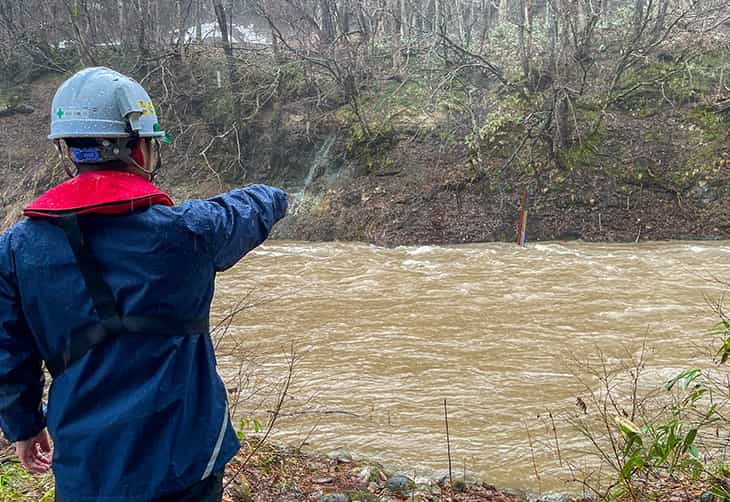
18	236
25	228
21	226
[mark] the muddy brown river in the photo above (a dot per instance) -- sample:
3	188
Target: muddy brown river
383	336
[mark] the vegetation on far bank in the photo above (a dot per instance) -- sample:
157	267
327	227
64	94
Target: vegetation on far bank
615	117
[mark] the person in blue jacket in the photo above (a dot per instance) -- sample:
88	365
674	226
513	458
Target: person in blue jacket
109	285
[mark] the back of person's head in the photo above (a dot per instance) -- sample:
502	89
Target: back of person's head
101	119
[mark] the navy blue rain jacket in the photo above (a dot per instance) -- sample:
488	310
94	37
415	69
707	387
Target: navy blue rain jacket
137	417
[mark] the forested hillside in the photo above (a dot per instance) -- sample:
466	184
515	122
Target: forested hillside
404	121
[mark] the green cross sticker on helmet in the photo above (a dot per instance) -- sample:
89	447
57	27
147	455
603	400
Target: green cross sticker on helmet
102	103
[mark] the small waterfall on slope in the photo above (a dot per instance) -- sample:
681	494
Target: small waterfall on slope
318	167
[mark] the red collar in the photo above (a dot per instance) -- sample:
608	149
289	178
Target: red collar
98	192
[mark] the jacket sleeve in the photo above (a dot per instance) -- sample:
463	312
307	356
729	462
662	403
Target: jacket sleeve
21	374
234	223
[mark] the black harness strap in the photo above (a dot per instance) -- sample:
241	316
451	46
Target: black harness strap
110	324
99	291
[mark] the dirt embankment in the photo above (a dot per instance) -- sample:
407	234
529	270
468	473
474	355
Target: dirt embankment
663	175
435	197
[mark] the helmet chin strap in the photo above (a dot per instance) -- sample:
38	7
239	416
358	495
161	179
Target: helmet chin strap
64	158
126	157
158	160
124	153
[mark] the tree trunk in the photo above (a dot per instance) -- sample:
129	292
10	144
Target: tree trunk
198	21
436	16
557	66
233	78
121	8
503	11
141	28
460	21
579	9
395	33
220	14
181	32
522	40
328	25
344	16
661	21
157	24
90	24
402	19
87	56
638	22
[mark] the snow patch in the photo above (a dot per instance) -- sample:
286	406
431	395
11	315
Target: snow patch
211	31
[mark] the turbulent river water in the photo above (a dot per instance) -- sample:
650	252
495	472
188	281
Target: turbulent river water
383	336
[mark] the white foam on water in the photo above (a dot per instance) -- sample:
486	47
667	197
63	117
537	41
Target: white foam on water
422	250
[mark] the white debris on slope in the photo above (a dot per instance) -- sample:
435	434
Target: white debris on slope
210	31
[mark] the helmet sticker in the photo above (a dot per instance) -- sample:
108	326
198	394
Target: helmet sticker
84	112
147	107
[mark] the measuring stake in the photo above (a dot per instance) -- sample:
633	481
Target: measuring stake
522	225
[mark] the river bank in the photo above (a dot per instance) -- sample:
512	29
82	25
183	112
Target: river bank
651	172
277	474
273	473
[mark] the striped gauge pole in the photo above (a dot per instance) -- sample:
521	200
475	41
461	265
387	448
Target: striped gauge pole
522	225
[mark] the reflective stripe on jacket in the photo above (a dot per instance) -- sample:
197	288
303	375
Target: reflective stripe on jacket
139	416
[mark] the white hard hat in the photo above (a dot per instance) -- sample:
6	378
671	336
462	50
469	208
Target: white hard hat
102	103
